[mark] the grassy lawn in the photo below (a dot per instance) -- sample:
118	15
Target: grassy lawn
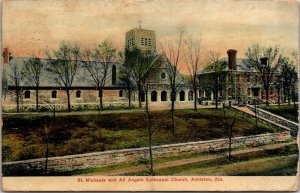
273	166
24	138
277	162
285	111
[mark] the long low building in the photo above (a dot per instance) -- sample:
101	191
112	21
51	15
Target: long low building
114	90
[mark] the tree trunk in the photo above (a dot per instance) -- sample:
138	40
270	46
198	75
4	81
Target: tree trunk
37	100
294	98
54	112
267	96
173	96
278	96
68	98
230	142
101	98
47	155
150	150
139	90
288	97
129	98
195	98
17	100
216	92
146	93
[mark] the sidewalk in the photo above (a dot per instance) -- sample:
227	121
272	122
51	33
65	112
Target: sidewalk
187	160
244	109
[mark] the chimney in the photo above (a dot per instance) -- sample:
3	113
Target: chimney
264	60
232	59
5	55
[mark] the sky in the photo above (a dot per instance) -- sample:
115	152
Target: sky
32	26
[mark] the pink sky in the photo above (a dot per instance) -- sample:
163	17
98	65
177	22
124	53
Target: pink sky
30	27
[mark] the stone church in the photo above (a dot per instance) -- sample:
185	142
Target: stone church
85	96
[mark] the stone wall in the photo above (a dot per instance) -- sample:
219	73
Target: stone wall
276	119
277	126
108	158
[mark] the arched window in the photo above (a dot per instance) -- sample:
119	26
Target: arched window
153	96
163	96
120	93
27	94
182	96
78	94
114	75
54	94
191	97
142	96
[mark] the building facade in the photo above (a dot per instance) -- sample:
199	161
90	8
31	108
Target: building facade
84	95
236	82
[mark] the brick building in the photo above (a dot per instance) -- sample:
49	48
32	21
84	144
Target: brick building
236	82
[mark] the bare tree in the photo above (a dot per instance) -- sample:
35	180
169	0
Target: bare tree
228	126
265	62
174	55
153	122
193	57
295	58
15	79
32	73
63	64
147	60
125	74
46	138
133	60
97	63
52	105
287	77
215	79
140	64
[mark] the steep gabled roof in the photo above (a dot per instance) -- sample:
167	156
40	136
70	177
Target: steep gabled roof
47	80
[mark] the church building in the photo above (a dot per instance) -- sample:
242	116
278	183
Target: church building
85	96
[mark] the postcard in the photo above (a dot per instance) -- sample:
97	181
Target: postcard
160	95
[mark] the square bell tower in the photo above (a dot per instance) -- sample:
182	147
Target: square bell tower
142	39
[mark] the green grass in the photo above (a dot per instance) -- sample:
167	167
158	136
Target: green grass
24	137
286	111
281	161
273	166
